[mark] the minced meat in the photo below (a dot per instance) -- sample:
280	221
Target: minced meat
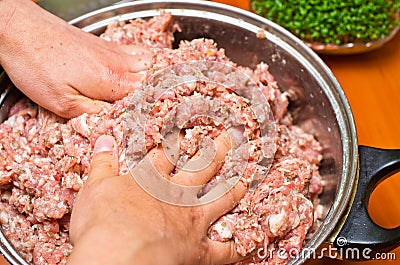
44	159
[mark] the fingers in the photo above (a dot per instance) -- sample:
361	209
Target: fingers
205	164
116	79
105	159
226	197
141	58
123	85
160	161
113	84
223	252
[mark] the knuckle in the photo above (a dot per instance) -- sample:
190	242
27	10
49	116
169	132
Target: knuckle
225	140
230	196
205	252
96	185
184	178
67	106
232	252
103	160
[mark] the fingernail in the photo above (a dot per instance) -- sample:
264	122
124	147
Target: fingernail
104	143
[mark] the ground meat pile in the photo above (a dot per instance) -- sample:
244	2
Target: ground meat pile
44	159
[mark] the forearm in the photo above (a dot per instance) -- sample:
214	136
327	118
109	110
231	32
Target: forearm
14	21
8	9
12	14
24	29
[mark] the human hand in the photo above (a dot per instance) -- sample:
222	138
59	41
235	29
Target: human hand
114	221
62	68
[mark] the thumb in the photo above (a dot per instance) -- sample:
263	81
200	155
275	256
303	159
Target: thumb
79	105
224	252
140	58
105	159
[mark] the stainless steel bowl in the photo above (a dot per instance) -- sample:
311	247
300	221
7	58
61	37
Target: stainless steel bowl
318	104
73	8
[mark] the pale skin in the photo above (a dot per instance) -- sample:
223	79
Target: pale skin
114	221
62	68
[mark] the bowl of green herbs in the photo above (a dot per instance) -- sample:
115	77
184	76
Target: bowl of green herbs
335	26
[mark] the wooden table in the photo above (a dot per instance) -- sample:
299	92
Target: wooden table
372	84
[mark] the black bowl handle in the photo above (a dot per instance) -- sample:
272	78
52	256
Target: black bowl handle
360	238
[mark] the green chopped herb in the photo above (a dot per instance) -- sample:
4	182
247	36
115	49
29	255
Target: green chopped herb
334	21
263	214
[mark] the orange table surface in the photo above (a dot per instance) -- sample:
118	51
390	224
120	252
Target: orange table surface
372	84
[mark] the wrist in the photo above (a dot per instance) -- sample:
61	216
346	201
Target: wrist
11	24
113	245
23	25
101	244
7	11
